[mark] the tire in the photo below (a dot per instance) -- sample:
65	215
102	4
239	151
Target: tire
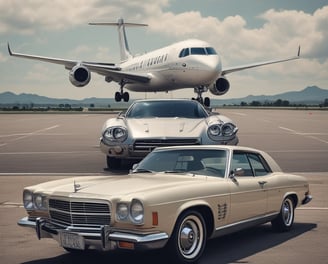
126	97
118	97
285	219
188	239
113	163
207	102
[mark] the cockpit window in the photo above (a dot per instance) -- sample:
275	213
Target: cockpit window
197	51
210	51
184	53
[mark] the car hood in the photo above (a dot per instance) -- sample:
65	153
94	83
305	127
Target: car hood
168	127
139	184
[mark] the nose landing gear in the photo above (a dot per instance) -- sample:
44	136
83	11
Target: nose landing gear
204	101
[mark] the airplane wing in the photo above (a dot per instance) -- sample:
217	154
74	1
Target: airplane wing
253	65
109	70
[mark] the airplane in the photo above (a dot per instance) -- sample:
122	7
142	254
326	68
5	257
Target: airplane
186	64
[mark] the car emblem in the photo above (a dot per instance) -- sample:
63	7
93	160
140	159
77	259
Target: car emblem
77	187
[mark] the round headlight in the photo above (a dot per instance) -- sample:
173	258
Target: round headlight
116	133
40	201
228	129
122	212
214	130
137	212
119	133
28	199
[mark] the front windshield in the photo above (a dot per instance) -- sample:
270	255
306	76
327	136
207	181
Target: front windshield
166	109
209	162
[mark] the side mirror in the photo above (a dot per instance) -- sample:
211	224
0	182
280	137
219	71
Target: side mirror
134	166
235	173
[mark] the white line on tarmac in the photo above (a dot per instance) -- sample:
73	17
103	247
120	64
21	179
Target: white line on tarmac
313	208
309	135
36	132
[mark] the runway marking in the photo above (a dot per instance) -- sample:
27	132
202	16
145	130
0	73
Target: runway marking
25	135
309	135
312	208
238	113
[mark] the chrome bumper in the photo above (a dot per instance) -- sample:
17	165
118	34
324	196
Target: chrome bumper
102	238
307	199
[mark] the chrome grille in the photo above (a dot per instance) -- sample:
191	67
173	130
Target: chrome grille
79	213
150	144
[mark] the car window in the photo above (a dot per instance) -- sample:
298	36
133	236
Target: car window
252	164
240	161
260	168
166	109
203	162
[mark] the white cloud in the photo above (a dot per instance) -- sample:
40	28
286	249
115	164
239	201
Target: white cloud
278	37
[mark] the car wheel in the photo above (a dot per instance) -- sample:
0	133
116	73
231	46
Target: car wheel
285	219
188	239
113	163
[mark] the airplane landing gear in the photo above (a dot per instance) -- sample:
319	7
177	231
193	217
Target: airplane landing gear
204	101
119	96
122	95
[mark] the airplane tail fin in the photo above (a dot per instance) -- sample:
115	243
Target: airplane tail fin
124	46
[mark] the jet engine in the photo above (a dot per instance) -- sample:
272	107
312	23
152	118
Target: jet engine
79	75
220	87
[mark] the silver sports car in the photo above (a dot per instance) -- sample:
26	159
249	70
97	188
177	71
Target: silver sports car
148	124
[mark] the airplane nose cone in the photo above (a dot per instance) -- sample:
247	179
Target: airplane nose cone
211	62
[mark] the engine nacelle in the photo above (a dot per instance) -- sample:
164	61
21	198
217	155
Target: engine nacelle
220	87
79	75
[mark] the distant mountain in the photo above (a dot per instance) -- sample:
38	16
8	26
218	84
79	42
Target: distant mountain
310	95
9	98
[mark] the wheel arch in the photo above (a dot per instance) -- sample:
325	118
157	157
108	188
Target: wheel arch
294	198
205	210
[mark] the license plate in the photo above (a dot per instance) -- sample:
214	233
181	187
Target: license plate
71	240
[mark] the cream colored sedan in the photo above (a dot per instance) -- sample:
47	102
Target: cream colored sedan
176	198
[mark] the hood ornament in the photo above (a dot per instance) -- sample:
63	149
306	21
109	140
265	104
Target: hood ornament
77	187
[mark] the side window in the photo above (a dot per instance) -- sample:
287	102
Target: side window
240	160
260	168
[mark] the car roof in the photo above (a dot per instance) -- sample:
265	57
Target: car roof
272	163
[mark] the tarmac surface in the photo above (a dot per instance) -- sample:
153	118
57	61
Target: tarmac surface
41	147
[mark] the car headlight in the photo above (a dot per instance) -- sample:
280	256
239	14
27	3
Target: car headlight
130	212
28	200
214	130
115	133
228	129
217	131
137	211
40	201
122	212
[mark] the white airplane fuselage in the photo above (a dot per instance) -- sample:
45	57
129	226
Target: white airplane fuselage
187	64
168	71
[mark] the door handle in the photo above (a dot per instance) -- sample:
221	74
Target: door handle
262	183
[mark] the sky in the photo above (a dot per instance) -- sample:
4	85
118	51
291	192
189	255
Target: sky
242	32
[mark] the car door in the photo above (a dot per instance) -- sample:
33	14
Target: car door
248	191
